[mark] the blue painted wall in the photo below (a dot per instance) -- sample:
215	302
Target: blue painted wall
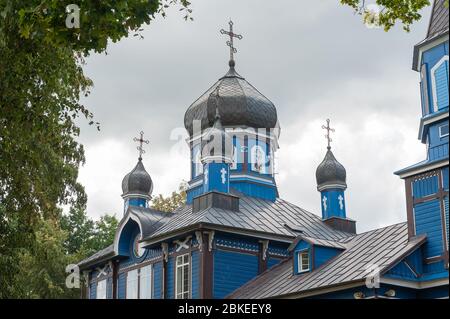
428	221
324	254
232	270
93	290
437	145
171	278
425	187
109	288
195	276
157	280
430	58
121	286
216	177
334	203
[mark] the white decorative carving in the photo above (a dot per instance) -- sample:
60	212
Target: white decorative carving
265	247
182	244
223	175
206	176
341	202
165	251
324	201
198	235
210	240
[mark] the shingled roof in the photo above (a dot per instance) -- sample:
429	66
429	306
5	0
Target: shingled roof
439	19
383	247
258	216
254	215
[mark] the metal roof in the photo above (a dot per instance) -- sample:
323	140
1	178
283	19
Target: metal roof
255	215
382	247
439	19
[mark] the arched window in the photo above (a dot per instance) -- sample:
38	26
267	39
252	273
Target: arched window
439	80
197	163
235	158
258	159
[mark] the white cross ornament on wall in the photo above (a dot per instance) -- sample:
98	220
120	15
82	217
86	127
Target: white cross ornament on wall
324	200
223	175
341	202
206	176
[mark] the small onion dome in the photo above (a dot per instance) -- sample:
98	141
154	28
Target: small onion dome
242	105
217	145
137	182
330	173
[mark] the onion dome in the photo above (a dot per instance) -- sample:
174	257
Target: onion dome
217	145
137	182
242	105
330	173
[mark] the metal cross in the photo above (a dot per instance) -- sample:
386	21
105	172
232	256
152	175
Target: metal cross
329	129
141	141
230	42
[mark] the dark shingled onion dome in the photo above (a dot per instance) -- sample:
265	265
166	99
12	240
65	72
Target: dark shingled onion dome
330	173
241	105
137	182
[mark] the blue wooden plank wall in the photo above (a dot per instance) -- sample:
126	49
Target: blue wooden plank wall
122	286
157	280
171	278
93	290
428	221
232	270
425	187
195	275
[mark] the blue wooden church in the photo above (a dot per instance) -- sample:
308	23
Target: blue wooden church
236	238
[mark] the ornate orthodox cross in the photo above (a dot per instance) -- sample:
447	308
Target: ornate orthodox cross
141	141
232	35
329	129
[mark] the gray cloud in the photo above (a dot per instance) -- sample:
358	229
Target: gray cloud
313	59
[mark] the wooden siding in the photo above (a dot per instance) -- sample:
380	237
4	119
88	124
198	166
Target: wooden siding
121	286
232	270
425	187
195	275
428	221
157	280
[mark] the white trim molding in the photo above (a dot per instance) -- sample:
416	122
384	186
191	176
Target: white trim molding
433	81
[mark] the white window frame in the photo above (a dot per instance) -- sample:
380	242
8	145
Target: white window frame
440	130
101	289
132	284
180	292
145	282
300	268
433	81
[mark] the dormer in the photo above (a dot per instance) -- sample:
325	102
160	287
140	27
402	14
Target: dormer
310	253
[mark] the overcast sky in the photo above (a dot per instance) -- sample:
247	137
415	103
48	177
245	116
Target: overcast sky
313	59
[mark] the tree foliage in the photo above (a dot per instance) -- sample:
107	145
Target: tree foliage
41	81
390	11
172	202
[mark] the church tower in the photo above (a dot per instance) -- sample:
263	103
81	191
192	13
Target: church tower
216	156
137	185
426	182
250	121
331	183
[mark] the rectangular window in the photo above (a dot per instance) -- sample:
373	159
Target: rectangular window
145	282
303	261
443	130
132	284
182	277
101	289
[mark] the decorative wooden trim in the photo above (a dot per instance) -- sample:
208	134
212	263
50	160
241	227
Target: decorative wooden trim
442	194
115	278
409	207
263	246
206	268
